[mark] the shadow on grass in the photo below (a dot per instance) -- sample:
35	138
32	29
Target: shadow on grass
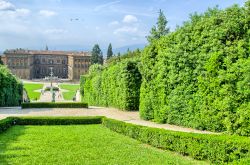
8	138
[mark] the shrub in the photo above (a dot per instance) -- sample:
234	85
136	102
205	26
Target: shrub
117	85
56	120
48	88
215	148
10	121
198	76
5	124
11	89
54	105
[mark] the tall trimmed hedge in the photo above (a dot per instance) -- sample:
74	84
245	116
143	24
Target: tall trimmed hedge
11	88
117	85
199	75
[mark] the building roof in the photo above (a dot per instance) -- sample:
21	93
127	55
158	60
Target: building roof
46	52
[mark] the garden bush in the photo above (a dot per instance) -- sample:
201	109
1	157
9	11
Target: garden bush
48	88
215	148
10	121
54	105
56	120
116	85
11	89
198	76
5	124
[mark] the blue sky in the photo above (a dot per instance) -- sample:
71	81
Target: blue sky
79	24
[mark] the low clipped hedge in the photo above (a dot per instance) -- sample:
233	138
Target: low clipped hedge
218	149
56	120
5	124
10	121
215	148
54	105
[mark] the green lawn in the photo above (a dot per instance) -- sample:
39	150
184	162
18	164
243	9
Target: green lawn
79	144
71	90
30	89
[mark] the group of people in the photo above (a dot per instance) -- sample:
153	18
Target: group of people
59	95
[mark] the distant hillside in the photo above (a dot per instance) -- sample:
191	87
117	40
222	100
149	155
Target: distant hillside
130	47
89	48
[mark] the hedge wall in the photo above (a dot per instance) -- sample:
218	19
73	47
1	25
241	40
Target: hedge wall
199	75
11	88
117	85
54	105
215	148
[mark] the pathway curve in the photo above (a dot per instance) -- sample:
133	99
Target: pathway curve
129	117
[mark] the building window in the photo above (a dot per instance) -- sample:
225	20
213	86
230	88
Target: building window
37	61
51	61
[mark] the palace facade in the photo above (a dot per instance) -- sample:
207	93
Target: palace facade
34	64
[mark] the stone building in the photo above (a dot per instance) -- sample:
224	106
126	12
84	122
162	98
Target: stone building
33	64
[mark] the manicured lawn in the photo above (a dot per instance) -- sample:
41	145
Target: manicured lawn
31	90
71	90
79	144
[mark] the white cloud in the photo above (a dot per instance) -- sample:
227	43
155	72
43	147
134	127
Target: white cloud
22	12
47	13
129	19
99	7
5	6
14	15
114	23
126	29
55	31
97	28
9	11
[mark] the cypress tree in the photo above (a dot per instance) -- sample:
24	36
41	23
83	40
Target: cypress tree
160	30
96	57
109	52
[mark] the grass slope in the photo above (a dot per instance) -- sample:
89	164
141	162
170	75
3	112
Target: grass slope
75	144
71	90
31	90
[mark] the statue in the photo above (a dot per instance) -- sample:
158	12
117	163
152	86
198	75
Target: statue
53	96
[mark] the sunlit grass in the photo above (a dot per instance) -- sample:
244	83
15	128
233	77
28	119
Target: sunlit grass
30	88
71	90
79	144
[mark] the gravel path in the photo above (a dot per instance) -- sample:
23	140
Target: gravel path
130	117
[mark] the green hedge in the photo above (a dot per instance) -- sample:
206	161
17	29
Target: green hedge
5	124
54	105
11	89
56	120
117	85
198	76
215	148
10	121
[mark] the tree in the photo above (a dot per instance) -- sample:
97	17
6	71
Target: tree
109	52
96	57
160	30
1	62
100	59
